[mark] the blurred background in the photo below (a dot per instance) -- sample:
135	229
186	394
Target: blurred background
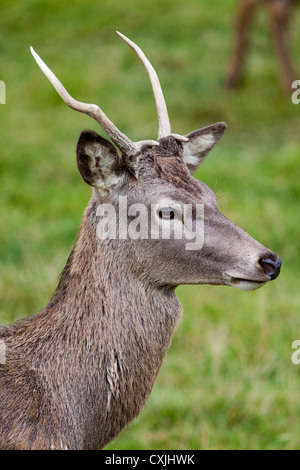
228	381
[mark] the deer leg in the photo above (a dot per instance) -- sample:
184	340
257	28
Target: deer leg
280	13
244	16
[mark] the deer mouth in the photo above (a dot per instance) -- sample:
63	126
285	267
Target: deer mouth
246	284
269	270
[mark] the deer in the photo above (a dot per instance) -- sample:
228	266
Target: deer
280	13
73	375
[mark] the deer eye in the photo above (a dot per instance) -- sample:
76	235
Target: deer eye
166	213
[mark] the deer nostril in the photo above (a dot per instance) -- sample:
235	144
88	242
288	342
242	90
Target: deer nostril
270	267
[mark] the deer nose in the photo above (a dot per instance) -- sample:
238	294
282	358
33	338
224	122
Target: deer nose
271	267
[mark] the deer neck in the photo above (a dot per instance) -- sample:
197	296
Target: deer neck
96	281
115	330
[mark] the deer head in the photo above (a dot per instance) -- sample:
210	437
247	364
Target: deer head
157	176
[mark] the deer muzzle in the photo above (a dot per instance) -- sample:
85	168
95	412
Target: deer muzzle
271	267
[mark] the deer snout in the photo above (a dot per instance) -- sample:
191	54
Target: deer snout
271	267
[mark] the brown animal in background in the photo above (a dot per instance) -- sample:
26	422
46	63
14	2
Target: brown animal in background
280	12
75	374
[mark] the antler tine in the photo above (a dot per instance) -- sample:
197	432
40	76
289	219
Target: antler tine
162	112
120	139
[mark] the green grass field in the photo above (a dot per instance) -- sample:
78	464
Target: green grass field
227	381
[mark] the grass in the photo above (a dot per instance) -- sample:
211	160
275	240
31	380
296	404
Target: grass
228	381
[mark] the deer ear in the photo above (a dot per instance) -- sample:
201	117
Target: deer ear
200	143
98	161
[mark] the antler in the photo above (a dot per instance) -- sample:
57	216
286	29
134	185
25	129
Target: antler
164	126
121	140
162	112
